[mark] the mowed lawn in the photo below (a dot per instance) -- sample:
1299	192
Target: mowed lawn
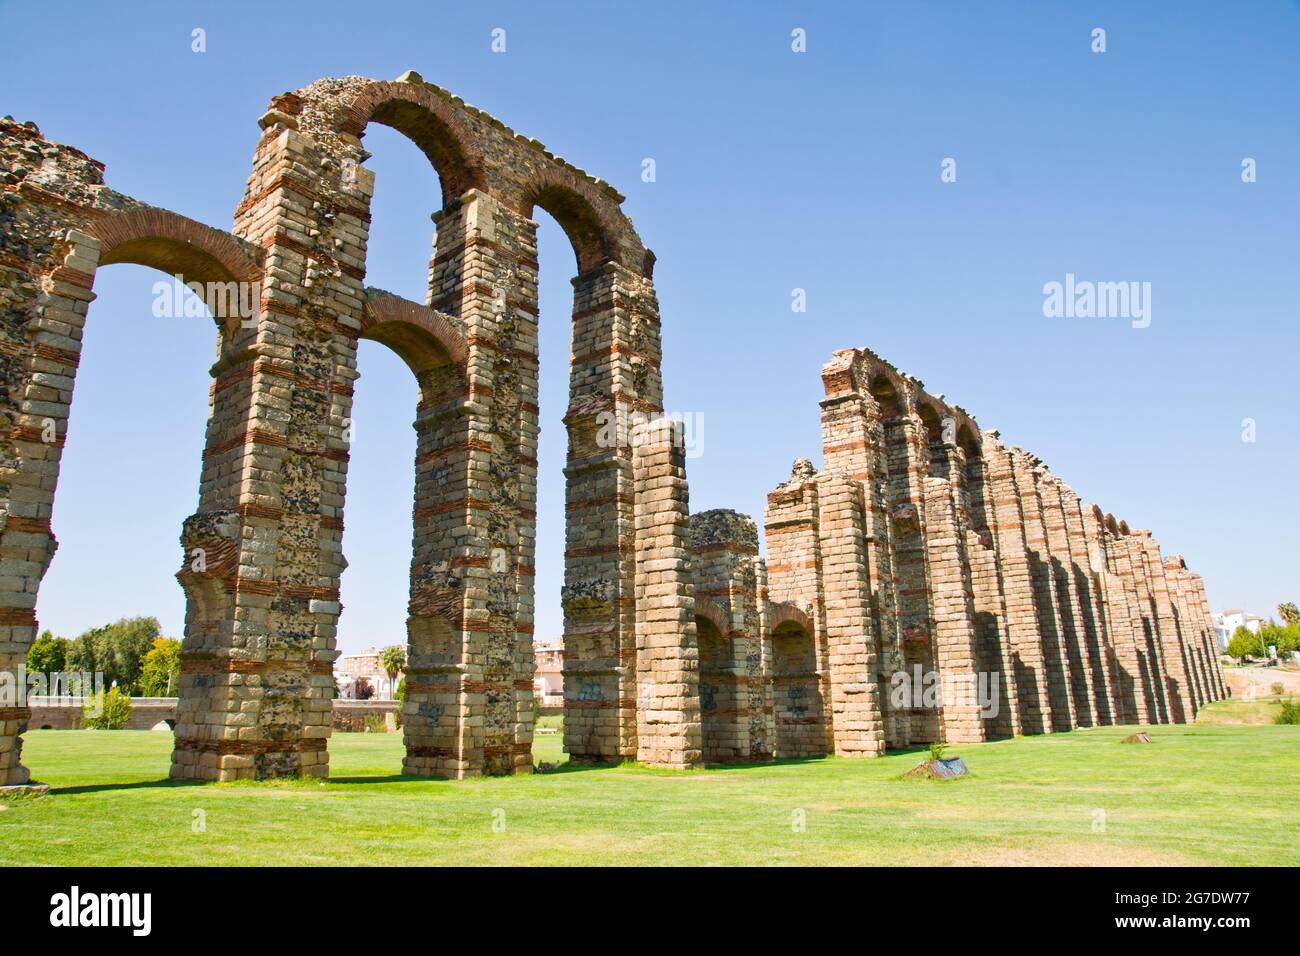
1201	794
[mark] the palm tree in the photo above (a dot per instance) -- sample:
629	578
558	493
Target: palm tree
392	659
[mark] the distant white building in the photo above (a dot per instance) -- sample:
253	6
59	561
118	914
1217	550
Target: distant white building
548	679
364	664
1227	622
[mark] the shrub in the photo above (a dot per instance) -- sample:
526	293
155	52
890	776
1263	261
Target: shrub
106	711
1290	712
1278	688
937	749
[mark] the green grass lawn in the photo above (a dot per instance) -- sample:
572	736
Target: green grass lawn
1261	710
1201	794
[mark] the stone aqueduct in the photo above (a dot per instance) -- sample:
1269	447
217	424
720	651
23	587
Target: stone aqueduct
923	541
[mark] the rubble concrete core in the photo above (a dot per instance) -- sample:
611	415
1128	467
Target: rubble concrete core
923	541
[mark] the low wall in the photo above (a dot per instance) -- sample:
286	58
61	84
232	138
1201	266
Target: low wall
64	713
350	715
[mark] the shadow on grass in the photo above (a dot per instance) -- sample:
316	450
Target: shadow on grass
365	780
165	783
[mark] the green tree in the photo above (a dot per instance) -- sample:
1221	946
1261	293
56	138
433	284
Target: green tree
1290	613
160	669
47	654
1243	644
115	650
1285	638
392	659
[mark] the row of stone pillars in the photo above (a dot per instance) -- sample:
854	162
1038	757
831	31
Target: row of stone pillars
262	557
968	560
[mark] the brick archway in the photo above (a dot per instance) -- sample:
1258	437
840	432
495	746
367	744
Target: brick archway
423	338
174	244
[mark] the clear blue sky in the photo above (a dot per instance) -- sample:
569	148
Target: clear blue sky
775	171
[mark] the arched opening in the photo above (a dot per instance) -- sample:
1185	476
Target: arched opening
583	589
142	400
932	423
718	704
796	693
886	396
408	360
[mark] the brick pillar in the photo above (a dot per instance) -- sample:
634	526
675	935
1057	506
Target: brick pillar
762	706
1205	619
853	444
667	660
1145	629
799	676
996	652
1074	634
953	608
905	443
1178	681
1055	660
469	680
614	383
1176	576
724	549
47	284
1088	595
1120	647
256	680
856	718
1023	636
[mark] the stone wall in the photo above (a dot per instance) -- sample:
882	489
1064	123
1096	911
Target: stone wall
937	547
924	550
262	557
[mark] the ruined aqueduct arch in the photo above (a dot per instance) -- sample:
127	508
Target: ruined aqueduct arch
924	542
263	553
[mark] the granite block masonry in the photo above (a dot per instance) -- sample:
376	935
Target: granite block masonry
261	558
969	561
923	547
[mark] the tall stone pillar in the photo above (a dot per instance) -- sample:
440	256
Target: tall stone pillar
1055	659
724	571
856	716
667	661
800	678
469	675
1121	647
1069	605
907	466
1206	619
1024	638
263	553
1087	592
1146	628
1178	680
853	445
997	651
614	384
47	268
762	703
951	596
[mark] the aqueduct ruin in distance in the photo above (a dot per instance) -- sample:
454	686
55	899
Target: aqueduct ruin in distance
924	541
